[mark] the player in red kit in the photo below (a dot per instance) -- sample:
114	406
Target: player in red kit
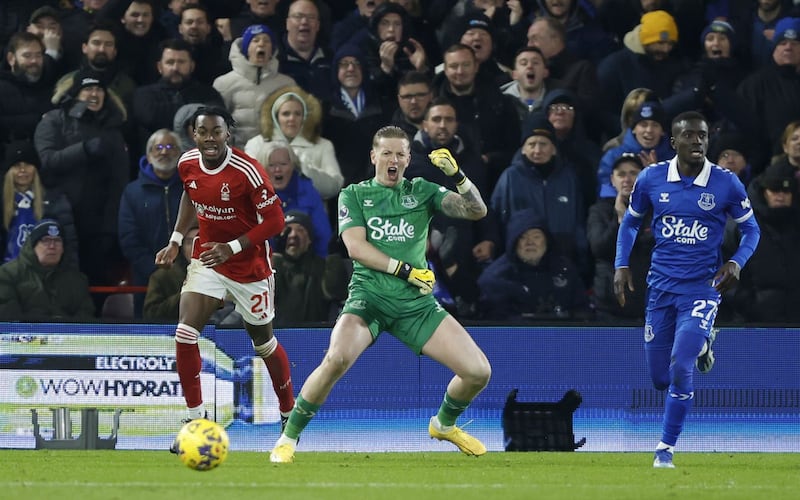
229	197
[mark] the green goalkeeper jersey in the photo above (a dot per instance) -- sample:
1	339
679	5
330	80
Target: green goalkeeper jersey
396	220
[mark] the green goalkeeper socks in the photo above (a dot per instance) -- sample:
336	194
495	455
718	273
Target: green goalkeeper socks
301	415
450	410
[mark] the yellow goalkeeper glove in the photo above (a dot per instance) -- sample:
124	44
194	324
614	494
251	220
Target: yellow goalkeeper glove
443	159
421	278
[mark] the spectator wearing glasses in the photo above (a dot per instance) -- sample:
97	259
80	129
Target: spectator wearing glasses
149	207
566	113
39	285
354	115
301	55
414	94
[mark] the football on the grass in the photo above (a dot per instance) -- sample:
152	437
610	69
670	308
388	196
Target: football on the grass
202	444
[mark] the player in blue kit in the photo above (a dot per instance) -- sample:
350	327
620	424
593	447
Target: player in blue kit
691	199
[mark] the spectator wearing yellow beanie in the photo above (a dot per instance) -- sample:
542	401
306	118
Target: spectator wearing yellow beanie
648	60
658	26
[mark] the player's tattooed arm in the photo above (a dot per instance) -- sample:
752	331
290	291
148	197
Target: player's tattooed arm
469	205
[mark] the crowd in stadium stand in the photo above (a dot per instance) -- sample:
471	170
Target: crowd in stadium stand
552	107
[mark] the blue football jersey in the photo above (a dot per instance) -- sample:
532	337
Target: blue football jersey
689	217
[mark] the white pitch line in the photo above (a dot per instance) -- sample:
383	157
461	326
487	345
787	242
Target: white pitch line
332	485
270	484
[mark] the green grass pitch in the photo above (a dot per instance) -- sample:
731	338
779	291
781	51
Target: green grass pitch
151	475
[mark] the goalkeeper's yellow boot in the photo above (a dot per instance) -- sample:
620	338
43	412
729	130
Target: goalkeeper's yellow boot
282	454
466	443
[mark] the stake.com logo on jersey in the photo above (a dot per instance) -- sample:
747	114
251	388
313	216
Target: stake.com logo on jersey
678	230
385	230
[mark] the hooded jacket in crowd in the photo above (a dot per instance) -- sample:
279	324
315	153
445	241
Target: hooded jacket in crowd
769	290
512	289
316	154
351	132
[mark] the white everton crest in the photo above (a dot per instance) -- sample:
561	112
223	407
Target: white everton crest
409	201
706	201
648	333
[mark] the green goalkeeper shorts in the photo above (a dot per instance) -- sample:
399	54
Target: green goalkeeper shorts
412	322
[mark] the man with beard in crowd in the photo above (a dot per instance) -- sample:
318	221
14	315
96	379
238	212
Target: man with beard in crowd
414	93
45	23
149	207
24	88
154	105
100	55
208	51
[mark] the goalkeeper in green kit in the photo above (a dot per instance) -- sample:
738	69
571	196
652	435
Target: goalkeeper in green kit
383	223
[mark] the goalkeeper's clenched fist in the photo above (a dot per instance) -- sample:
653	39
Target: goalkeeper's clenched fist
444	160
421	278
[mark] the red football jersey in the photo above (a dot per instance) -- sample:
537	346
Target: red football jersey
233	199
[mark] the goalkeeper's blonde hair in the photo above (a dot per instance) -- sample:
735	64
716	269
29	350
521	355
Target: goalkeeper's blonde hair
389	132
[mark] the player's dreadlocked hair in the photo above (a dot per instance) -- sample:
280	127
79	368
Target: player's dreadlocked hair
213	111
